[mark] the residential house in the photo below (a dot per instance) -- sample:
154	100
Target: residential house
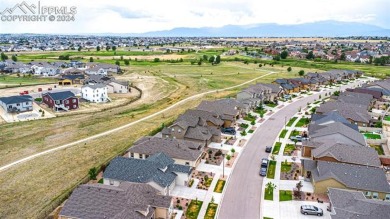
16	104
325	174
64	100
71	79
259	93
182	152
113	85
95	93
158	171
229	109
287	87
355	113
97	70
128	200
363	99
377	95
356	204
382	86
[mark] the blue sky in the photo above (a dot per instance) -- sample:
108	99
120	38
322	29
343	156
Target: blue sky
138	16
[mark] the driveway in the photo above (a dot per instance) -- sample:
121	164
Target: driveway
243	193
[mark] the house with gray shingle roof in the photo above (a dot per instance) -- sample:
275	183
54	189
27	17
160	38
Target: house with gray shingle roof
355	113
382	86
181	151
128	200
324	174
256	94
229	109
17	103
356	98
357	205
158	170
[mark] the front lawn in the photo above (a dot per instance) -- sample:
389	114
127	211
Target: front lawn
372	136
208	182
288	149
302	122
269	195
286	167
276	148
244	125
294	133
387	118
378	149
219	186
283	133
211	211
251	131
250	117
193	209
292	120
285	195
271	104
271	169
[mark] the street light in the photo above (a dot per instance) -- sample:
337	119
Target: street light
223	165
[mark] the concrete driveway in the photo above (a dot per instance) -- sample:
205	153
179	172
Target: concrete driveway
243	193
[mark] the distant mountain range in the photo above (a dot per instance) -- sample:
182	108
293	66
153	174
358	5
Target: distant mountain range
315	29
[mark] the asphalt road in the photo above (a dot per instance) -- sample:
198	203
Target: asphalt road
243	193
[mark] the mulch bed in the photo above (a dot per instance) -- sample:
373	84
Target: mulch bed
293	174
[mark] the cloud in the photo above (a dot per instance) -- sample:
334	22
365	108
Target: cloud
128	13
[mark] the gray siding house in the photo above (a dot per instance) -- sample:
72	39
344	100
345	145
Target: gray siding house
17	103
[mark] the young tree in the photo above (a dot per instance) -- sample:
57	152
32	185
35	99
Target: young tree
270	187
218	59
289	69
200	62
93	172
205	57
276	58
98	48
233	151
310	55
14	58
79	49
228	157
114	48
284	54
342	56
90	59
117	63
301	72
3	56
127	62
108	48
211	59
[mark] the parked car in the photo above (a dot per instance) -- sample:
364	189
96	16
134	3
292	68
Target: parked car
263	171
264	162
268	149
298	138
312	210
229	131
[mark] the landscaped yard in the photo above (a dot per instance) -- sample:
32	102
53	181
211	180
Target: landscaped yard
271	169
244	125
371	136
378	149
294	133
285	195
219	186
286	167
269	195
193	209
387	118
270	104
292	120
283	133
302	122
276	148
288	149
250	117
211	211
251	131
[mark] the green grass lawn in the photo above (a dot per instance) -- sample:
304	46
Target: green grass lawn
250	117
286	167
288	149
260	111
317	102
244	125
372	136
269	195
251	131
387	118
271	104
378	149
293	133
276	148
219	187
302	122
193	209
271	169
211	211
285	195
283	133
12	81
208	182
292	120
267	218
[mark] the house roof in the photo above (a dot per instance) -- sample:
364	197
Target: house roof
90	201
94	86
328	118
73	76
376	94
355	98
352	176
16	99
355	112
316	131
348	154
142	170
354	205
62	95
222	106
177	149
205	115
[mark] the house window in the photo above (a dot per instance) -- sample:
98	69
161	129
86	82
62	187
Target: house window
66	101
17	104
367	194
187	163
173	130
179	130
387	198
146	156
131	154
74	101
74	106
375	195
111	182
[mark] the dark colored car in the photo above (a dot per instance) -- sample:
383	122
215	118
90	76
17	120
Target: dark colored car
268	149
264	162
312	210
263	171
229	131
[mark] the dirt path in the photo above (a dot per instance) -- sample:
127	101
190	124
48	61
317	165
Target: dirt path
23	160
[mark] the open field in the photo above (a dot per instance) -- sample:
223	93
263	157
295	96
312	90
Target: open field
14	81
281	39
